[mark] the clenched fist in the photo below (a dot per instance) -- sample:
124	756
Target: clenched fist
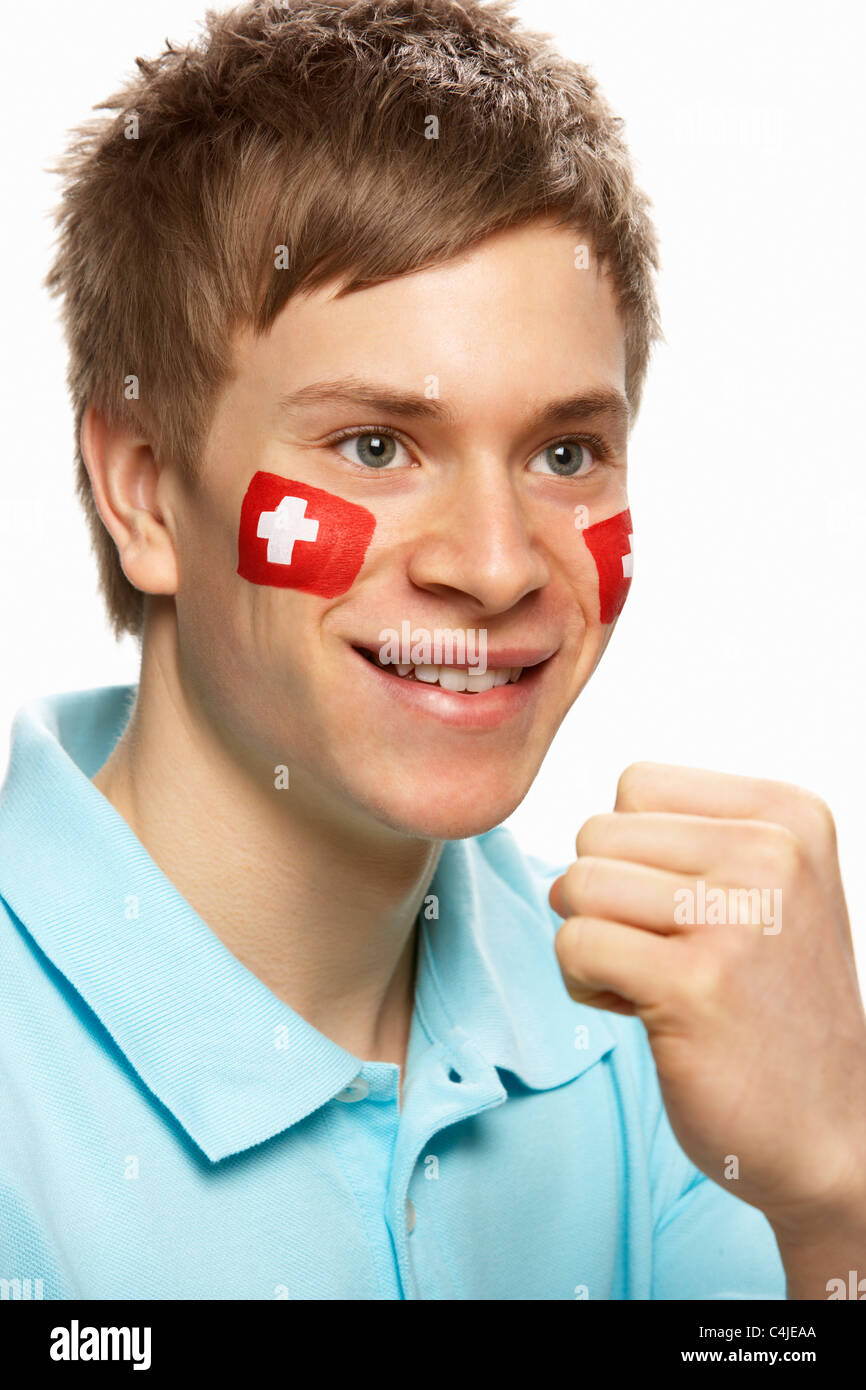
712	907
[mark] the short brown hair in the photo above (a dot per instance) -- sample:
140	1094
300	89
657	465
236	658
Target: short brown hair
307	125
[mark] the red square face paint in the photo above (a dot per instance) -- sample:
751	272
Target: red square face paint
294	536
610	546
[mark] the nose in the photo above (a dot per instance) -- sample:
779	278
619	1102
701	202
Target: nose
480	544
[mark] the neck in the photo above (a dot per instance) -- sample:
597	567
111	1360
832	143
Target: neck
315	898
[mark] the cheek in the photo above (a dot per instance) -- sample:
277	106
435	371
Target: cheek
293	536
609	544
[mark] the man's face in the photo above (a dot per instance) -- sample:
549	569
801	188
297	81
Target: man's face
477	488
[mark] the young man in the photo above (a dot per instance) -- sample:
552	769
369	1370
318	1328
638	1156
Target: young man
359	303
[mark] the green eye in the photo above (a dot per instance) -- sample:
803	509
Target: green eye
565	459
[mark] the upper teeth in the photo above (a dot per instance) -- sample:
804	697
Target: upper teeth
456	679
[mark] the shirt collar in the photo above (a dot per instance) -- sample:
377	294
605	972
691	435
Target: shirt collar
491	969
232	1062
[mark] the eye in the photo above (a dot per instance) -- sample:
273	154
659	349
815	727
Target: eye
374	449
566	459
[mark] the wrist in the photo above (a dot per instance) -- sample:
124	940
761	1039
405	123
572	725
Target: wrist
834	1179
823	1248
816	1224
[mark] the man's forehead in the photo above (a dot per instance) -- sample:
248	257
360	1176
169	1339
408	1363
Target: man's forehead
554	269
519	318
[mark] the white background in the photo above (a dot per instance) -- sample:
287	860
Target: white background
741	645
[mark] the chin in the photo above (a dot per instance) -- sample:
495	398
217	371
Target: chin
438	813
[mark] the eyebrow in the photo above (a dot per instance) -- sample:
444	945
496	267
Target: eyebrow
411	405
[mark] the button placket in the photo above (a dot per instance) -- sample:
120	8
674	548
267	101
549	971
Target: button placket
358	1089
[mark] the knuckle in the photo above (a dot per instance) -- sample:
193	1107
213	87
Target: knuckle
567	948
705	978
783	855
640	783
578	883
818	819
571	885
585	874
591	833
802	808
630	782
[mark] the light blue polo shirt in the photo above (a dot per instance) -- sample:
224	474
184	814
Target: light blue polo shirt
170	1129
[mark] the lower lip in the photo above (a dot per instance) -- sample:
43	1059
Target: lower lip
487	709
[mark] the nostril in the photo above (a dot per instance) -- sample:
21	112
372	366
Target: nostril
454	1075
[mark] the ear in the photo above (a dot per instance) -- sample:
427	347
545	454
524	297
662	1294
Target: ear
125	478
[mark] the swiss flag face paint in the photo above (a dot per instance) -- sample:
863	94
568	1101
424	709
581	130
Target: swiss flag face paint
610	546
294	536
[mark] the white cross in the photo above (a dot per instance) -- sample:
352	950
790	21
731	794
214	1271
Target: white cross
285	526
628	561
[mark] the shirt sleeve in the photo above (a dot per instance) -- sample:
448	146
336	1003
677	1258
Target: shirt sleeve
707	1242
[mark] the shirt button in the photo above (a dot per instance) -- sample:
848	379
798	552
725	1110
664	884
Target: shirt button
410	1213
358	1089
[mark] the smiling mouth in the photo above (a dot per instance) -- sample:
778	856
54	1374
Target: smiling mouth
455	679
